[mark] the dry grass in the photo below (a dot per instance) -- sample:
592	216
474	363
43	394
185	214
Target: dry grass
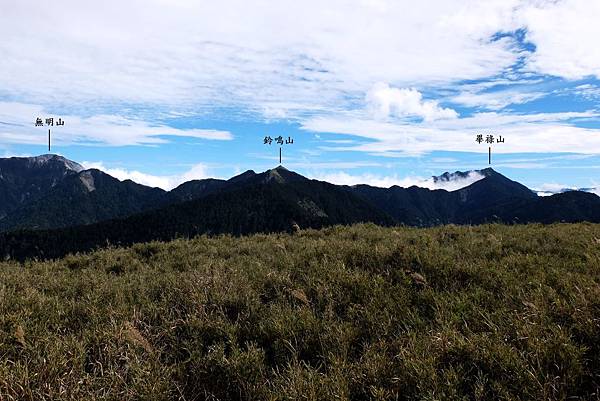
354	313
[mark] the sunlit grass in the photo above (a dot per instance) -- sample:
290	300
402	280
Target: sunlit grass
506	312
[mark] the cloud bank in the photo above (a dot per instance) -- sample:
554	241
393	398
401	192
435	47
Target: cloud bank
102	129
234	51
166	182
343	178
523	133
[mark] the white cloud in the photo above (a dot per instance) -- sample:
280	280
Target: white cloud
166	182
188	55
343	178
112	130
532	133
554	187
309	60
198	55
565	35
400	102
588	91
549	189
496	100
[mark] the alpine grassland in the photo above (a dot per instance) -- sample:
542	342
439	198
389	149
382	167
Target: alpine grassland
491	312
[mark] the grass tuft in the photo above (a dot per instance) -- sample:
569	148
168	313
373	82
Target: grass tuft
345	313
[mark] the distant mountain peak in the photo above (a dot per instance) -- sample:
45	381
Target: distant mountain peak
448	176
281	175
487	171
243	176
52	158
276	175
464	175
554	190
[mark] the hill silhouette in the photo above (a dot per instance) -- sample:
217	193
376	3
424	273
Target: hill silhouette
85	209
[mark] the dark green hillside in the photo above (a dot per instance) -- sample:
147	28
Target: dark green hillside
481	202
412	206
571	206
49	192
269	207
346	313
83	198
192	190
26	179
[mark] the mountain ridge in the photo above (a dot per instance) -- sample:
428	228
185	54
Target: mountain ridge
85	197
26	179
89	207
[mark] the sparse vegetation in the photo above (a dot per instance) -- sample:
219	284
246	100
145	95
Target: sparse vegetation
493	312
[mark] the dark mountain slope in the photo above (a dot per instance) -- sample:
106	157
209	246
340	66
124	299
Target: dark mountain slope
494	189
94	208
412	206
253	208
480	202
50	191
197	189
279	175
423	207
568	207
26	179
242	177
192	190
83	198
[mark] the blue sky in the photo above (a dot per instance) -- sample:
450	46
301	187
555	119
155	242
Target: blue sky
372	91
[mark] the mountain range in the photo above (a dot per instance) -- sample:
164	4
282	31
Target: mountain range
50	206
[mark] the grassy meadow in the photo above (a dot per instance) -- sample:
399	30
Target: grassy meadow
493	312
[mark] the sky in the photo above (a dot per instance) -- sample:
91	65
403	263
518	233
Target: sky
382	92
